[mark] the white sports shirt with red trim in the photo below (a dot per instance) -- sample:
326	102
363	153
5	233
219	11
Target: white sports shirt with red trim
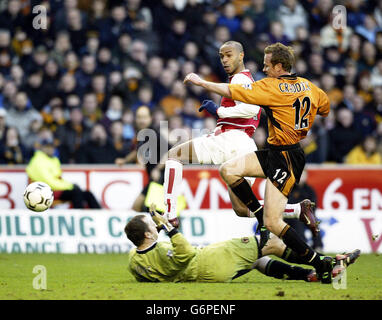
238	115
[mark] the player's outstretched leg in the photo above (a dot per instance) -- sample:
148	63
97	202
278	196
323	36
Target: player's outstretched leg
183	153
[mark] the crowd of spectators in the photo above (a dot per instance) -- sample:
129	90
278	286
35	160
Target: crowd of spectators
80	79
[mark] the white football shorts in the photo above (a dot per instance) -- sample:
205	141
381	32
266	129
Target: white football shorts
218	147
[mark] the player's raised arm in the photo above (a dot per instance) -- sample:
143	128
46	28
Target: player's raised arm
219	88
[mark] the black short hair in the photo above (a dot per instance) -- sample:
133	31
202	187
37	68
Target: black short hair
135	229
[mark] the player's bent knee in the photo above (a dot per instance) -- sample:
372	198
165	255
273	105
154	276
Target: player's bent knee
272	224
223	170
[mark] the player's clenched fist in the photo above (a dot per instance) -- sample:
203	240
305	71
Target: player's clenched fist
192	78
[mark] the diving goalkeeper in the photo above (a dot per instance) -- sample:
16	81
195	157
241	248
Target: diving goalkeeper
178	261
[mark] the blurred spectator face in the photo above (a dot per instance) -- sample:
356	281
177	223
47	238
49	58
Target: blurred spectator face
76	116
57	114
167	78
301	67
14	7
73	101
316	62
229	11
168	3
302	34
369	23
12	137
99	83
41	56
143	118
349	92
333	55
35	125
67	83
71	61
124	42
70	4
128	117
5	59
88	64
90	103
247	25
378	39
116	129
3	115
35	80
51	68
104	55
173	65
350	70
325	6
290	4
115	107
21	101
328	81
9	90
5	38
74	19
145	95
210	18
358	103
179	89
17	73
370	145
179	26
189	106
379	66
355	43
364	82
377	95
187	68
191	50
222	34
139	51
62	43
368	51
92	44
175	122
98	134
99	7
118	13
155	67
115	78
277	29
345	117
158	116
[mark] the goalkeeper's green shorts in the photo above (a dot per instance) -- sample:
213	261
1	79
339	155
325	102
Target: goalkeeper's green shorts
155	195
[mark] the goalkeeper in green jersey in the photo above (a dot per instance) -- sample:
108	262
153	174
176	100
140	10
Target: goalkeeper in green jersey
178	261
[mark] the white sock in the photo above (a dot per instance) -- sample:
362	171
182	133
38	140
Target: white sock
172	181
291	211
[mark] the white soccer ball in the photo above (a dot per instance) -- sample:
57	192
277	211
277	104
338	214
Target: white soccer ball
38	196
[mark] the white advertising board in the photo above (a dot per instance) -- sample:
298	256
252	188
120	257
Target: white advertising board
101	231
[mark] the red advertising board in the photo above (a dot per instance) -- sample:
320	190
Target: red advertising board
337	187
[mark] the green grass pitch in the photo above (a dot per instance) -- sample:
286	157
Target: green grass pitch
87	276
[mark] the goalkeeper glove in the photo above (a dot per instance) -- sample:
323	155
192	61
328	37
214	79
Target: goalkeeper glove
210	107
160	221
